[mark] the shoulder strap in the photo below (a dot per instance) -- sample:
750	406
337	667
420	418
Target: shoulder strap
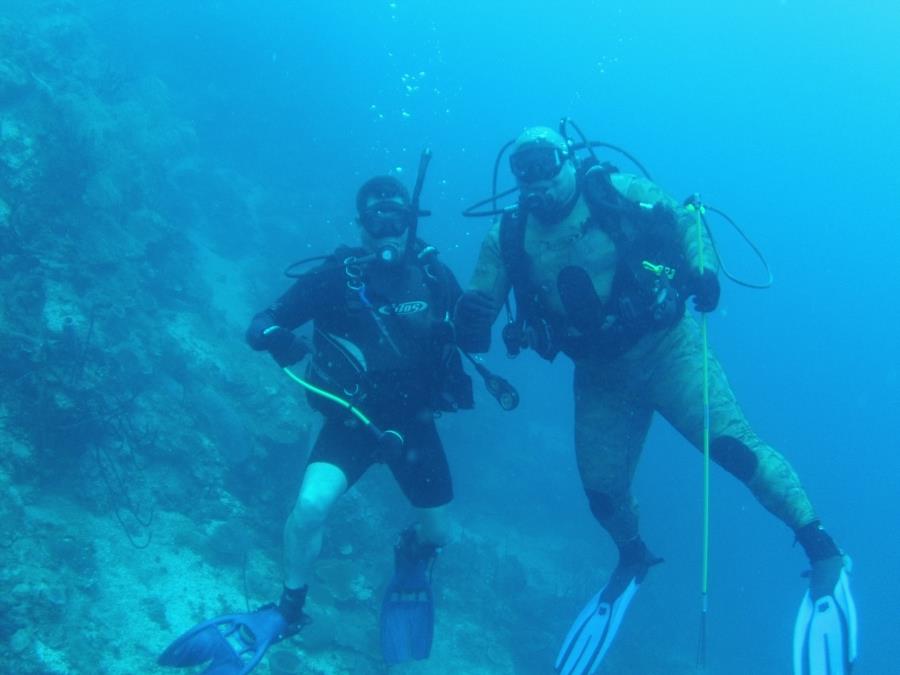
543	332
610	210
512	251
437	276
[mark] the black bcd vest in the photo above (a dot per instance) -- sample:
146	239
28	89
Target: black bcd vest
648	288
337	365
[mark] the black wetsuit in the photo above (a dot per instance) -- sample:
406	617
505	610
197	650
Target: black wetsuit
382	340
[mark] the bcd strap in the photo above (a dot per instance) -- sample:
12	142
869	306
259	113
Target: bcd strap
529	327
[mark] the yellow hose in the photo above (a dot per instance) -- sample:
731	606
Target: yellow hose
329	396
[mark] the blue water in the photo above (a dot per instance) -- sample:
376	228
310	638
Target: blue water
782	113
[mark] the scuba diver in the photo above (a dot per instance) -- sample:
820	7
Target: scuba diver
600	265
383	365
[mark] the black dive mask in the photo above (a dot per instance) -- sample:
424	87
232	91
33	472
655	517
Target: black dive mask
386	219
536	162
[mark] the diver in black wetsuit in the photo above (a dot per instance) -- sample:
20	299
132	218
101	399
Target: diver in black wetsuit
383	364
381	336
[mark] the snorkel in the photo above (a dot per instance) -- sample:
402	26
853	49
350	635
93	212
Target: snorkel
424	159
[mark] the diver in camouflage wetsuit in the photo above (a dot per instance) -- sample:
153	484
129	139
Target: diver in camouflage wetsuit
600	264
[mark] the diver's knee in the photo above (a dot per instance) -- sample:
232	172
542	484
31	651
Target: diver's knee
309	512
603	506
322	485
617	513
735	457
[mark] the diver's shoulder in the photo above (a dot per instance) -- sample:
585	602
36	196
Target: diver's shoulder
492	236
638	188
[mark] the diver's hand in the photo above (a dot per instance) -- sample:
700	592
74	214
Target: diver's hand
475	309
285	347
704	286
474	314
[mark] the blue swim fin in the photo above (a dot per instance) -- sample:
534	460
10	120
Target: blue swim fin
825	633
407	610
591	635
232	644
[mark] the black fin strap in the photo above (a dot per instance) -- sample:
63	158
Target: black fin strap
817	543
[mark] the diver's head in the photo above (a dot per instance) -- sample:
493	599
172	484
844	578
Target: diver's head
384	215
543	166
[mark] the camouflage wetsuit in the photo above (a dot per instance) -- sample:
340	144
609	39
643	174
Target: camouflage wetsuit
615	396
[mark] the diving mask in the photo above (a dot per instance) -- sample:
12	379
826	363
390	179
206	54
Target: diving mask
386	218
536	162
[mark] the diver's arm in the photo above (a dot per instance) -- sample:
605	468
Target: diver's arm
287	312
302	302
477	308
490	275
702	279
696	239
454	290
646	192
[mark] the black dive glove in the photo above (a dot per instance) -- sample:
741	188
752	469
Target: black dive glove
704	286
285	347
475	313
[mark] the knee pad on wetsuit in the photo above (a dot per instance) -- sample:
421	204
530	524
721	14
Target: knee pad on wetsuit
735	457
617	514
